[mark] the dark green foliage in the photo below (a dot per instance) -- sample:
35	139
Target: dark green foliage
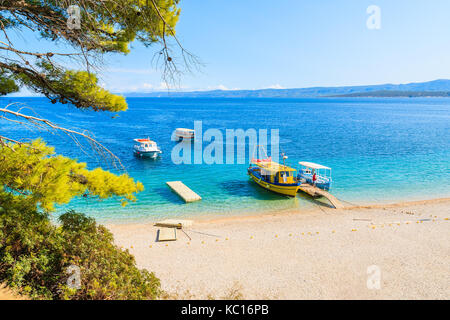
35	255
77	87
7	84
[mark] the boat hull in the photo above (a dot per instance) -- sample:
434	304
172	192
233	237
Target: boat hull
147	154
287	190
179	139
324	185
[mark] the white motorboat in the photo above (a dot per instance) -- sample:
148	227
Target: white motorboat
146	148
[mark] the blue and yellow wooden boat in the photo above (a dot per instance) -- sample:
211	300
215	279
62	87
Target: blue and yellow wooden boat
273	176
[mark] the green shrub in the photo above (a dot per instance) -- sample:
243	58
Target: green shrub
35	256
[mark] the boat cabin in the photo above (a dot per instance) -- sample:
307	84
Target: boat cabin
276	173
145	144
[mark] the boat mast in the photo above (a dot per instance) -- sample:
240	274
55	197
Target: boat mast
284	162
251	158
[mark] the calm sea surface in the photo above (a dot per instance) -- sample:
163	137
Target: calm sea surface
381	150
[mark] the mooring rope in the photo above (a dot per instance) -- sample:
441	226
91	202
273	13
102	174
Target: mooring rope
206	234
353	204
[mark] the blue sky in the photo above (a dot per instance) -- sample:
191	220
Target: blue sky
253	44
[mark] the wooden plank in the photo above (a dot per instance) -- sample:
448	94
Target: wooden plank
317	192
183	191
333	200
309	189
174	223
167	234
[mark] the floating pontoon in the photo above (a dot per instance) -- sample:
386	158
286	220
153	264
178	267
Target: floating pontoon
183	191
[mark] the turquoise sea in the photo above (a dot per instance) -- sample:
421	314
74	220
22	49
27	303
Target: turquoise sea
381	150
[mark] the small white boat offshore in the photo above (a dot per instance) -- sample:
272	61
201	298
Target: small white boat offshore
146	148
184	134
315	174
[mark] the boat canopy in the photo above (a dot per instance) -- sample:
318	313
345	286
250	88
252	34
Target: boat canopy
143	140
312	165
185	130
273	167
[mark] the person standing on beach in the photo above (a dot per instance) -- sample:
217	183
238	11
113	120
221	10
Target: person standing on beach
314	178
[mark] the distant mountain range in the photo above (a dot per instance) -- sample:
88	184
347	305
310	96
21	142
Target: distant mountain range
436	88
398	94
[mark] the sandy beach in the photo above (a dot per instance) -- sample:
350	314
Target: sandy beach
8	294
319	254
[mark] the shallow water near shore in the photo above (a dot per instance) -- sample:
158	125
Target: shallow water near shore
381	150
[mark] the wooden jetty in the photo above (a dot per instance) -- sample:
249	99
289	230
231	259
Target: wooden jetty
316	192
183	191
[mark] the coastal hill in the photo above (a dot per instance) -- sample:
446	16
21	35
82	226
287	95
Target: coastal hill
439	88
394	94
